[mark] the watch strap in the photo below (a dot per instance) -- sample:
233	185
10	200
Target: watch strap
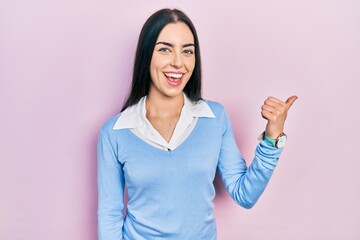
269	140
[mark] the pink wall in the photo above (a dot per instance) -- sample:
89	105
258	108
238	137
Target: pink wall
65	68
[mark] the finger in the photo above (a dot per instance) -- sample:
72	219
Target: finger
274	102
267	115
269	108
289	102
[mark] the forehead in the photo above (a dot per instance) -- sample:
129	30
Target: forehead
176	33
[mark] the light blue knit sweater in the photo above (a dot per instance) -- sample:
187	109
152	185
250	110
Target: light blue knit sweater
171	193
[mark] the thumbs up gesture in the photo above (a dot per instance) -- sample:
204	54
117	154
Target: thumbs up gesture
275	111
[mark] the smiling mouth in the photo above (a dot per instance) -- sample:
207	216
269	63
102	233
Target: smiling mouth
174	75
174	79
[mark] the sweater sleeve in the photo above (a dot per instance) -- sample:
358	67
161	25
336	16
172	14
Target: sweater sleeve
245	184
110	190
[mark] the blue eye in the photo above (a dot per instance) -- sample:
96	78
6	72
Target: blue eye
164	50
188	51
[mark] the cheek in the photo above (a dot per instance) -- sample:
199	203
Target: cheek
153	63
190	64
152	71
154	67
158	63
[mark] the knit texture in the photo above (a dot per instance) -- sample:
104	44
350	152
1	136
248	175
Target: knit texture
171	193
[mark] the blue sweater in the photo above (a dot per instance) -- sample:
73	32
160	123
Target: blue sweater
171	193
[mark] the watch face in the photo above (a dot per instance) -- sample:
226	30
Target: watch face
281	141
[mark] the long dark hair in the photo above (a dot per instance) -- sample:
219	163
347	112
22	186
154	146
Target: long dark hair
149	33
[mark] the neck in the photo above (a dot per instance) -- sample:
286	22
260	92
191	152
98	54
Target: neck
161	105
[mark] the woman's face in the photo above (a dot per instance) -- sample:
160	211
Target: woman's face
173	60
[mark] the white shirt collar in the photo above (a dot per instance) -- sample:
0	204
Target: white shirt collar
135	116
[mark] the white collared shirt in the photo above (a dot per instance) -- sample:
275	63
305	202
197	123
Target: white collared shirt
134	118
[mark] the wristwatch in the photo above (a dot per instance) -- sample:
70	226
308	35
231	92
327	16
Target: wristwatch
279	142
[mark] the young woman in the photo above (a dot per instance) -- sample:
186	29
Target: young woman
167	143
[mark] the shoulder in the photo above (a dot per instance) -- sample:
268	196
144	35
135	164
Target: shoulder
216	107
107	127
220	113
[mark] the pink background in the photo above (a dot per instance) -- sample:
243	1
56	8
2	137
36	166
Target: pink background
65	68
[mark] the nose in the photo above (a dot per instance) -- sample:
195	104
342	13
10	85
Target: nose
177	60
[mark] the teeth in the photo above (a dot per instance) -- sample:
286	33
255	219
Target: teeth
174	75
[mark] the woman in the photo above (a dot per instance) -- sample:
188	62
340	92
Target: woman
167	143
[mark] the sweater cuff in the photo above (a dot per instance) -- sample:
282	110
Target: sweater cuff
268	154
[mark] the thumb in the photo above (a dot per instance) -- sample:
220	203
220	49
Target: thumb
290	101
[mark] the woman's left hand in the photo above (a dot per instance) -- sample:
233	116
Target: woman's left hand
275	111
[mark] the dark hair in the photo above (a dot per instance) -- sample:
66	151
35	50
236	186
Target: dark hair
149	33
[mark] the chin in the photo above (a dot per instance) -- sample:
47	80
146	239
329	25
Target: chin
173	93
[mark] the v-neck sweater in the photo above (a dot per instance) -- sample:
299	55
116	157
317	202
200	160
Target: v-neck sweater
170	194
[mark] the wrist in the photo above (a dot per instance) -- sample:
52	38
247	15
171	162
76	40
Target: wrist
273	133
270	140
278	142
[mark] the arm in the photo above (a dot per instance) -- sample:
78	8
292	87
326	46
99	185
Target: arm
245	185
110	190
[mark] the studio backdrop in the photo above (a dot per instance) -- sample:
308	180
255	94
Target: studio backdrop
65	68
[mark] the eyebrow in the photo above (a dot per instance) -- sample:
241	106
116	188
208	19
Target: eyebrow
172	45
